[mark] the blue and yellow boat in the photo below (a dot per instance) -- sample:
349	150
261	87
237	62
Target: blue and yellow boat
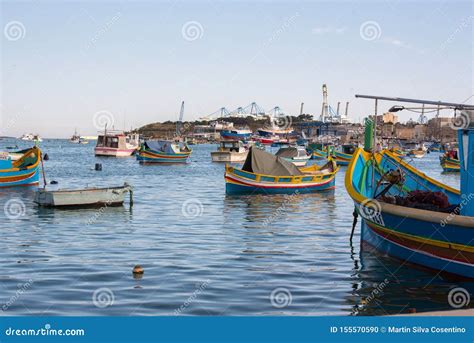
449	164
341	158
22	172
412	217
161	151
264	173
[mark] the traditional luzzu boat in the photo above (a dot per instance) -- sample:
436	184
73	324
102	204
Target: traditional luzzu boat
24	171
264	173
449	161
411	216
161	151
341	158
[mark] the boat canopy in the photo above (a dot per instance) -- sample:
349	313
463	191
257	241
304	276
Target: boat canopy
162	146
262	162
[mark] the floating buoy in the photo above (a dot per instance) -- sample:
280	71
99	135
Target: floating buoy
45	157
98	166
138	272
138	269
54	182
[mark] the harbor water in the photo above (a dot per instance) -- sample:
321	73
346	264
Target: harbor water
203	253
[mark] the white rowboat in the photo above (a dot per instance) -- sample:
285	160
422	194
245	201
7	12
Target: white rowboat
88	197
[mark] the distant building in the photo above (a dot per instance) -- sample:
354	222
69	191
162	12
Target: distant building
390	118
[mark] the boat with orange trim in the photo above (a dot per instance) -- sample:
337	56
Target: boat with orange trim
410	216
23	171
162	151
264	173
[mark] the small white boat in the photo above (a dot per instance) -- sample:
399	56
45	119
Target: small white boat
88	197
230	151
296	155
31	137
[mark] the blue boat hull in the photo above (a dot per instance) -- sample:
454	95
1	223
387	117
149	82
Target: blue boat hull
388	247
236	189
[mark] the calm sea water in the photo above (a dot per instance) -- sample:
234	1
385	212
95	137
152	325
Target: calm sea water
204	253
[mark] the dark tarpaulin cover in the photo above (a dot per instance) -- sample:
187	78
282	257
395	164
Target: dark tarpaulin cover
262	162
161	146
287	152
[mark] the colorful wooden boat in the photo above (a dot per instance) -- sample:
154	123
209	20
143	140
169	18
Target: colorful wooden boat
410	216
89	197
342	159
449	164
296	155
417	235
160	151
24	171
264	173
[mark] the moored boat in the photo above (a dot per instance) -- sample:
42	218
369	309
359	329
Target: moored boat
450	161
236	134
116	144
410	216
296	155
21	170
265	173
31	137
88	197
230	151
162	151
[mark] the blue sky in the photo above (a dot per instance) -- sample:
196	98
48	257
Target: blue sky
68	61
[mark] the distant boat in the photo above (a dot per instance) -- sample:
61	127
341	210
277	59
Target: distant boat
76	139
162	151
116	144
230	151
88	197
450	161
296	155
265	173
236	134
31	137
20	170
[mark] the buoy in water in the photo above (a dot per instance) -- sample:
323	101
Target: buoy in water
54	182
98	166
45	157
138	269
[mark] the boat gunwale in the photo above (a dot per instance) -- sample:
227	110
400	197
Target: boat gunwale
403	211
